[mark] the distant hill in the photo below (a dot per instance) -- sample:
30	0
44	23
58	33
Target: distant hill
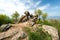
53	17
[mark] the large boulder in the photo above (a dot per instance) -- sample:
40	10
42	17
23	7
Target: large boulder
52	31
17	32
14	33
5	27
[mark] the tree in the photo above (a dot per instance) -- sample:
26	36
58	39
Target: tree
15	16
38	12
44	16
4	19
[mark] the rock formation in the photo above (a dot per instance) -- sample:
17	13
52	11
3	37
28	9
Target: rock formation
25	17
52	31
16	31
5	27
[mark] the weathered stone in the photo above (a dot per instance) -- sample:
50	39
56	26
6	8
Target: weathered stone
27	13
16	31
5	27
52	31
8	33
28	17
20	20
25	17
21	35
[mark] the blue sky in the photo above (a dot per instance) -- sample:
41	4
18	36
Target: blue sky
8	7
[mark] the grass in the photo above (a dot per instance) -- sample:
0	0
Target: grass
38	34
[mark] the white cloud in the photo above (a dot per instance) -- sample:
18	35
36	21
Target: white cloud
10	6
37	3
44	7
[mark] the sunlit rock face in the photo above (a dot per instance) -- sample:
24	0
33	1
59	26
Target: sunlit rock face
52	31
16	32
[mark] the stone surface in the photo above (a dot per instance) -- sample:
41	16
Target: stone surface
16	32
52	31
5	27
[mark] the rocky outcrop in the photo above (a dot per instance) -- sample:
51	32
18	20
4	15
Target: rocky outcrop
13	32
5	27
16	32
52	31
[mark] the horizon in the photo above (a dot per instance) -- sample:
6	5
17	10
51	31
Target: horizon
8	7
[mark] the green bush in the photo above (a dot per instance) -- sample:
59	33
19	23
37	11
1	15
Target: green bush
38	35
4	19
